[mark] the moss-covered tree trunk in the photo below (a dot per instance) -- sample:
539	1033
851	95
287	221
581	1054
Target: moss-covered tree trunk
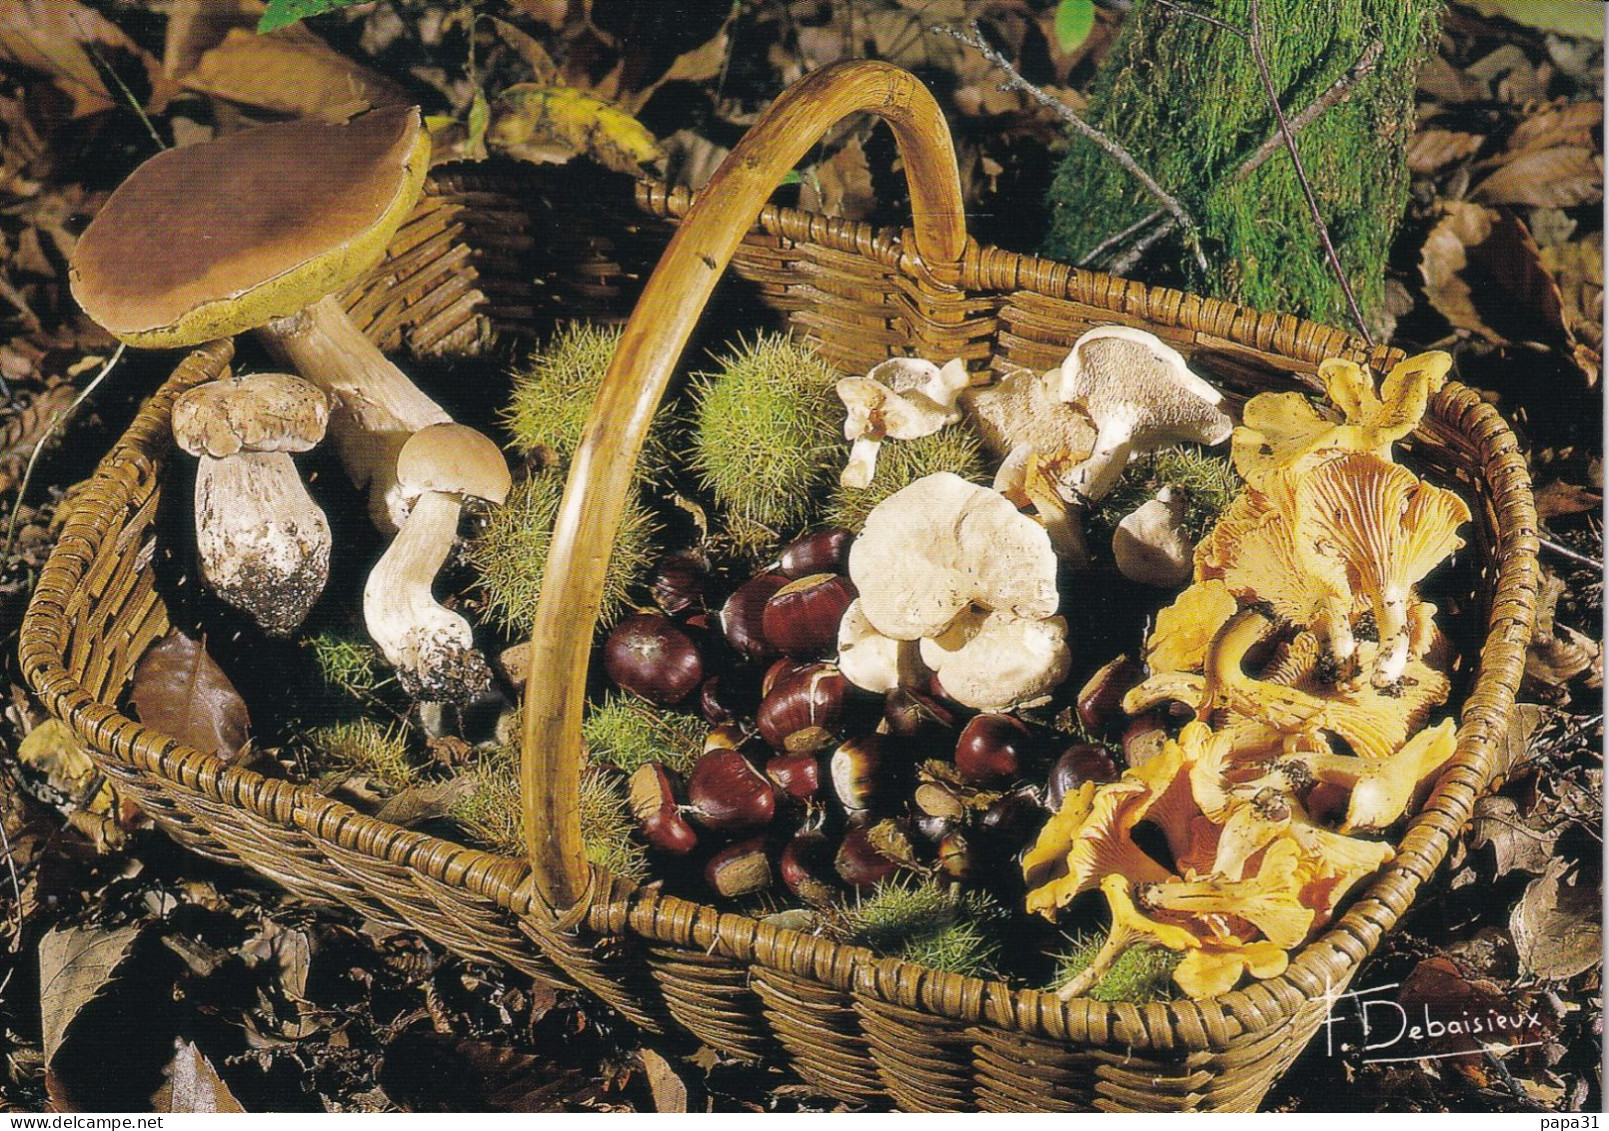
1184	98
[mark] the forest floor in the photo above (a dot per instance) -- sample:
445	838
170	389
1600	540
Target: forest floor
207	987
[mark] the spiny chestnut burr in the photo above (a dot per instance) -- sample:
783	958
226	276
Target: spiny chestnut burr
678	582
992	748
804	711
806	868
739	869
1076	765
743	615
652	656
725	791
858	862
801	619
1100	699
825	551
796	775
652	794
856	769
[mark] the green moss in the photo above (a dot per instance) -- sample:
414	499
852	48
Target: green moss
363	745
924	922
625	732
901	463
489	812
767	437
1184	99
1209	481
1140	974
511	552
553	395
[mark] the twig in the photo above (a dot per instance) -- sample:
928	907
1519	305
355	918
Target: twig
1126	262
1253	38
134	103
1570	555
33	457
16	881
1339	91
1015	81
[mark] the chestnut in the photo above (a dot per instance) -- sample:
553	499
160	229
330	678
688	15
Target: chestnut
857	769
651	793
739	869
805	710
725	791
1078	764
955	856
730	694
742	617
1010	818
725	736
858	862
824	551
1143	738
910	714
678	582
796	775
778	671
992	748
650	655
935	800
806	867
801	619
932	828
1101	696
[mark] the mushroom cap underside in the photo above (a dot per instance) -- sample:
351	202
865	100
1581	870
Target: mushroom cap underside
214	239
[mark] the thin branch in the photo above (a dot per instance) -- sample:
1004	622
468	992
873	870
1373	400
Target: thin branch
1015	81
1570	555
1123	264
1339	91
1222	25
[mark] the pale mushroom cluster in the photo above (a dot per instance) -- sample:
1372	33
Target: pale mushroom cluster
1313	669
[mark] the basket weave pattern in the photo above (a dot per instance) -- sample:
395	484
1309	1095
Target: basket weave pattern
847	1022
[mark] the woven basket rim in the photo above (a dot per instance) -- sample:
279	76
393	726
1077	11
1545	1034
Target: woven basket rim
1323	964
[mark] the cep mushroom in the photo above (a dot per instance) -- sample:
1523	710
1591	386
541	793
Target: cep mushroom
261	230
903	398
263	543
1141	396
433	648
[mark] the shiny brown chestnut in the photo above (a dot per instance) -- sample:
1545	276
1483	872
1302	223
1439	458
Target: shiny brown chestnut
678	582
797	775
806	867
1101	698
805	711
650	655
955	856
1011	818
856	771
778	671
992	748
858	862
652	795
825	551
1078	764
739	869
801	619
730	694
742	617
910	714
725	791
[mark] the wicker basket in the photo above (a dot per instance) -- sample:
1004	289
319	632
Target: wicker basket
848	1023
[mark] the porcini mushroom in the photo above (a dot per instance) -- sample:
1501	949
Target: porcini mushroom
260	230
433	649
263	543
1151	545
903	398
1141	396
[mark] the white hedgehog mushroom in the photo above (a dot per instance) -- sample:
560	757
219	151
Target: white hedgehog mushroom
432	647
263	543
903	398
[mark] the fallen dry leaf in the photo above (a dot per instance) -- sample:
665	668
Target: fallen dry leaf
1484	273
57	38
841	185
1577	269
1561	498
551	124
1516	748
1556	926
1554	659
1437	990
193	1084
1519	842
75	964
1563	17
1436	149
1569	124
178	689
1560	177
668	1089
290	73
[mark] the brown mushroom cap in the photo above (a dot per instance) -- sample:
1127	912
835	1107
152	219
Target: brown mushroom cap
453	459
215	239
262	412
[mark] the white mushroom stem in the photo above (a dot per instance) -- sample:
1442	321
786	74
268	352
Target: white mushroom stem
1332	624
1150	544
1021	479
376	406
1097	475
263	542
862	463
432	648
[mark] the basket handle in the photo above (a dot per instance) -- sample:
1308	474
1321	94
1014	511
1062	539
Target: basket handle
601	473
